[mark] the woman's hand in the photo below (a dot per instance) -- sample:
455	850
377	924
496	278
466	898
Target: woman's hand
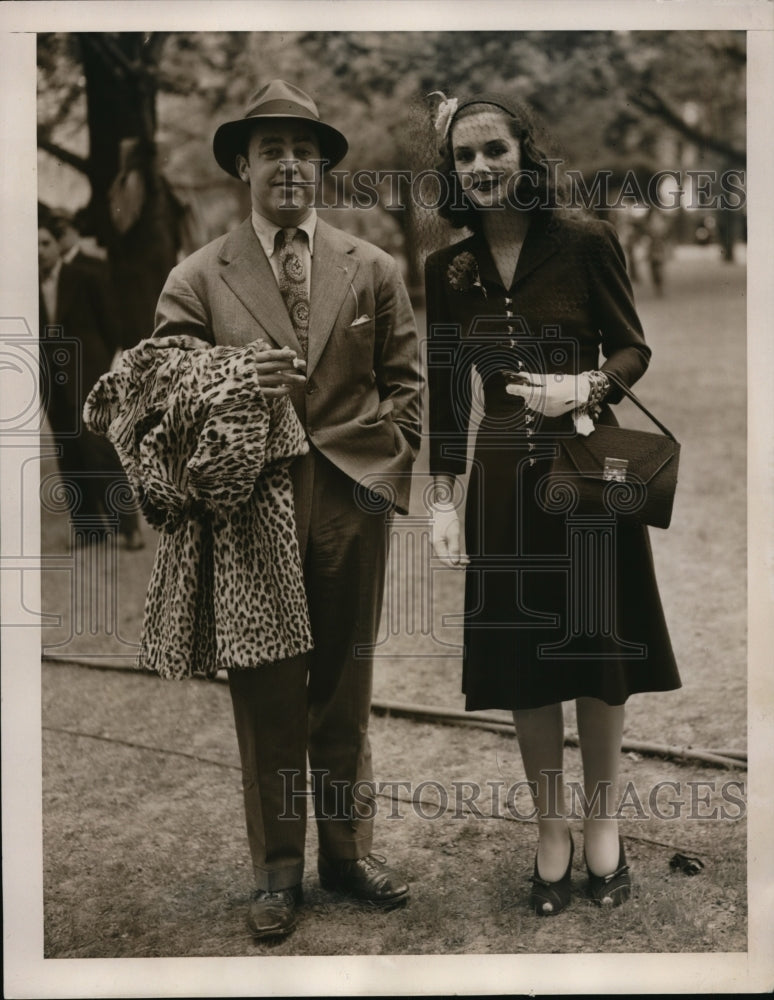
551	394
445	530
445	525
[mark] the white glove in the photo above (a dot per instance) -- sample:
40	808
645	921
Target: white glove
551	394
445	533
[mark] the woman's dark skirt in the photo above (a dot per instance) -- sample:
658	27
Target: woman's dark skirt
556	606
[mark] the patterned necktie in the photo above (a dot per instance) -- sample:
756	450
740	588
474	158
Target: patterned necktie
292	285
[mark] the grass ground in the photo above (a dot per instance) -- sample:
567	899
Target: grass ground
143	806
144	847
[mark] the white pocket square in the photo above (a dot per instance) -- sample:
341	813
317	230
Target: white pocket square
365	318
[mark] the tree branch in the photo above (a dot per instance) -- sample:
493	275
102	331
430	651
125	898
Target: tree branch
653	104
113	55
64	104
79	163
106	46
153	43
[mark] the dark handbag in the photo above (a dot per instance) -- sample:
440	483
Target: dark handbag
617	471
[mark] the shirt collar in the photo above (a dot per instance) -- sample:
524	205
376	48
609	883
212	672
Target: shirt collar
266	231
71	254
53	275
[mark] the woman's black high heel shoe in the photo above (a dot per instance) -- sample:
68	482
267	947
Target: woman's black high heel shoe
549	898
613	889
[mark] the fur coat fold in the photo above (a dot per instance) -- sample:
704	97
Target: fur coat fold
208	457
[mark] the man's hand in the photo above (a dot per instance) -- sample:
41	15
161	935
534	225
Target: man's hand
279	371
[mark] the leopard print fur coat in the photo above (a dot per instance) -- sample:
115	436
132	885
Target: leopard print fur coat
208	457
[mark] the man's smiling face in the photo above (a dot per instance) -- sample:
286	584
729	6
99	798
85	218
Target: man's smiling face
282	167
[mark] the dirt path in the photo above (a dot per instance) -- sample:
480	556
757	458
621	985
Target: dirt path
146	855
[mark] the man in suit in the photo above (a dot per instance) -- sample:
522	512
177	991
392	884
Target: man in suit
68	231
76	347
69	228
344	346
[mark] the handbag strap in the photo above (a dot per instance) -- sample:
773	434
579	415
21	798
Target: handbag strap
628	392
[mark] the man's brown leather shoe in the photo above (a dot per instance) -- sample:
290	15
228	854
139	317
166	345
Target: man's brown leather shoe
368	879
273	914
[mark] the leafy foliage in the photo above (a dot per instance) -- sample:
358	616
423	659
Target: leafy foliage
613	98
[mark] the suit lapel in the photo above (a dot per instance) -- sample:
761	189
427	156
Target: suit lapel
333	271
487	269
64	293
248	274
540	243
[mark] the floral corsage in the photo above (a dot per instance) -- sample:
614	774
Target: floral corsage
463	273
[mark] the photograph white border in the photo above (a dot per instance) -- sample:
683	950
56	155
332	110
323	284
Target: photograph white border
26	973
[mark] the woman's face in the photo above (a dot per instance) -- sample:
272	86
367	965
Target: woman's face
486	156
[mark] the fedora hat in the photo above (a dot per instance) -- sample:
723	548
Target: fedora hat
277	99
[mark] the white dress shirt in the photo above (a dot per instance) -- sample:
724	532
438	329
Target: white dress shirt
69	255
48	289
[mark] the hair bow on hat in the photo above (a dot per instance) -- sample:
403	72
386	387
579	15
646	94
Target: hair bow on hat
444	113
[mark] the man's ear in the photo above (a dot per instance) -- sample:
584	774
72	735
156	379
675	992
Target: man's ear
243	168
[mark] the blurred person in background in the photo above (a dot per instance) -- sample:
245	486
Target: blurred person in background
529	301
69	228
658	232
77	345
343	345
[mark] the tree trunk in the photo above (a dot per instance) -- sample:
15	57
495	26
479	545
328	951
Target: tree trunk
121	97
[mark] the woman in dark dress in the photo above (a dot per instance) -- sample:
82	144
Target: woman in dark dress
556	607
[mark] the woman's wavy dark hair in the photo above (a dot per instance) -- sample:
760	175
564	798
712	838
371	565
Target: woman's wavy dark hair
540	179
